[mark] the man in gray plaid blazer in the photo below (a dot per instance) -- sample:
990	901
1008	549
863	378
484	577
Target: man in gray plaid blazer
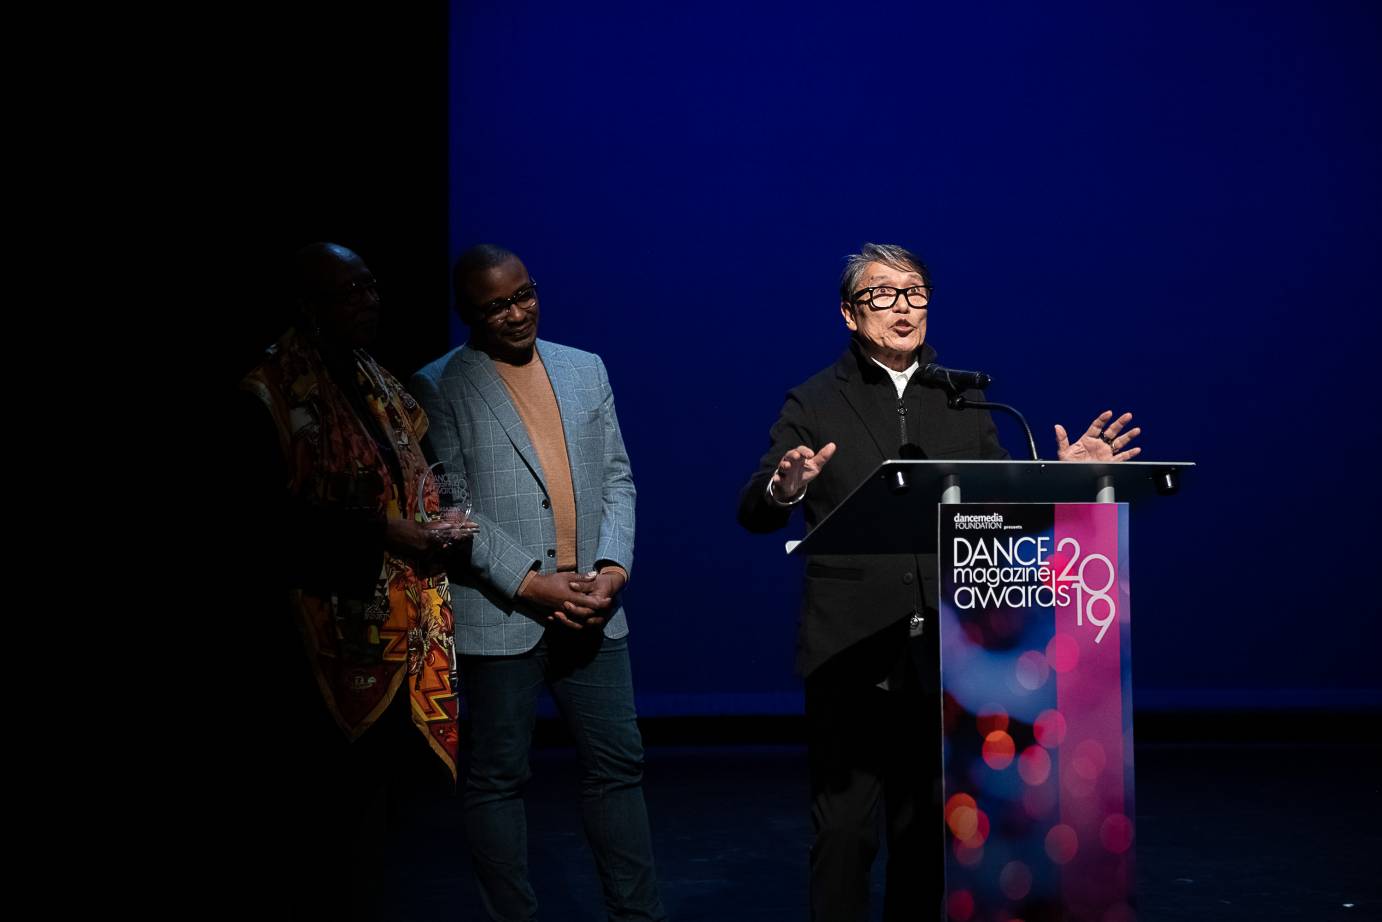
533	427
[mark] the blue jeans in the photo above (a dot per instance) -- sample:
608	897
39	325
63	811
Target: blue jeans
590	680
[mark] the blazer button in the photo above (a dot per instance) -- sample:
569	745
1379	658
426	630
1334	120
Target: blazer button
907	578
552	552
546	503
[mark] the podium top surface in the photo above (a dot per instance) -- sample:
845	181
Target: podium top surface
893	510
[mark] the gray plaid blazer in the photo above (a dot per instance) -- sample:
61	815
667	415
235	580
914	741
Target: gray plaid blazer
471	418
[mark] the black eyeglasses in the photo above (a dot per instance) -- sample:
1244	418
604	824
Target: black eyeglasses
882	297
523	297
358	291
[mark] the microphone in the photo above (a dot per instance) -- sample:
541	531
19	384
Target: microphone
953	379
957	382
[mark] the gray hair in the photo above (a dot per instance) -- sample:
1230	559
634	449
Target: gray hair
889	254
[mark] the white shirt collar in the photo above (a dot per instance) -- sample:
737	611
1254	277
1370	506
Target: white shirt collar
900	378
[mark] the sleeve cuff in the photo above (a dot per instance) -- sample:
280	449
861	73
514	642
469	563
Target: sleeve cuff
615	568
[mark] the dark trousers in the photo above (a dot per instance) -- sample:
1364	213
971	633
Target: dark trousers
876	762
590	680
318	813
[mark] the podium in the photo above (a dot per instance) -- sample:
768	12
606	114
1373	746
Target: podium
1035	659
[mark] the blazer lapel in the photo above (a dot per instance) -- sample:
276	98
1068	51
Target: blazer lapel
868	405
478	369
859	395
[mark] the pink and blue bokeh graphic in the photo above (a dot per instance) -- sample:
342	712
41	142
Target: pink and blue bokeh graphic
1035	664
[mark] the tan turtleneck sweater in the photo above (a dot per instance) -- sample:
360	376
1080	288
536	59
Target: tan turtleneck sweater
536	403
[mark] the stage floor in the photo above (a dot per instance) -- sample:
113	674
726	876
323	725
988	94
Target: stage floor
1247	830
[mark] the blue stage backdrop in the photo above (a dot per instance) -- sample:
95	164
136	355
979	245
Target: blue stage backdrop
1168	208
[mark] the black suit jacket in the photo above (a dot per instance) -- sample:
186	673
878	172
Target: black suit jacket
861	602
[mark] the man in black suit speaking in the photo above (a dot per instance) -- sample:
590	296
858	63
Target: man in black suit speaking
868	641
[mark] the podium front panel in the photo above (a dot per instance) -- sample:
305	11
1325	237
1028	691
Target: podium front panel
1037	710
